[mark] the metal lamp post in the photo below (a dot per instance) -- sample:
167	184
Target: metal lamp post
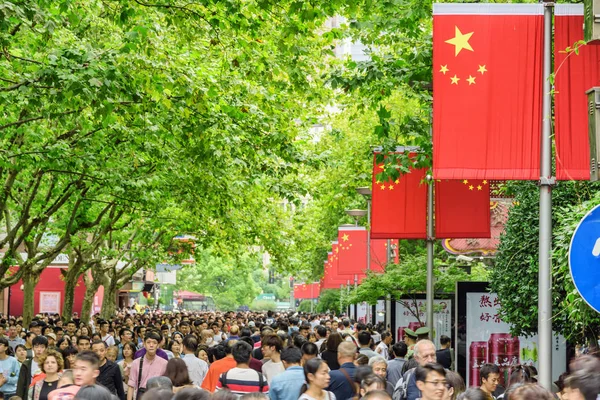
366	193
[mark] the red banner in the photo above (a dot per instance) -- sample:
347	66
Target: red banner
462	209
487	90
399	208
307	290
574	74
379	253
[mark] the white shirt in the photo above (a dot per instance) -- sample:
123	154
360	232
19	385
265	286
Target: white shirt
197	368
382	349
109	340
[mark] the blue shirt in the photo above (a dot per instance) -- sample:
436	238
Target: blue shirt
340	385
287	385
10	369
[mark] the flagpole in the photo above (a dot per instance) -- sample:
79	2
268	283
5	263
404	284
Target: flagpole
545	246
430	241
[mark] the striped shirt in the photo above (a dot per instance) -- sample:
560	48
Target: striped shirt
243	380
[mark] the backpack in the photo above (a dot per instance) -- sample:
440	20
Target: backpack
261	381
401	388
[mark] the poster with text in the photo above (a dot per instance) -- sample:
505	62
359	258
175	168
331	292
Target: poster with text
489	341
406	317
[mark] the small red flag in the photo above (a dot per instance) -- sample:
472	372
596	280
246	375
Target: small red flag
487	90
462	209
575	74
399	208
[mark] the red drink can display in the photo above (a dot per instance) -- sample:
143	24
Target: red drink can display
504	351
477	357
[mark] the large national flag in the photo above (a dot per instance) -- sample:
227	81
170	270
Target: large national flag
352	244
462	209
574	74
399	208
487	90
307	290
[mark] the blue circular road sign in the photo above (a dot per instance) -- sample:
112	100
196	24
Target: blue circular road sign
584	258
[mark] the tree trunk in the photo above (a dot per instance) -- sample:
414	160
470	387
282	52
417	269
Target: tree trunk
70	284
109	301
70	277
30	280
91	287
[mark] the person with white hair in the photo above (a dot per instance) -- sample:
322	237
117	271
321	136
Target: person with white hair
379	366
406	388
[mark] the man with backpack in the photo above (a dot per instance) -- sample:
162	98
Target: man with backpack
242	379
406	387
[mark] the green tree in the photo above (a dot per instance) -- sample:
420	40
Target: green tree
515	273
228	280
329	301
409	278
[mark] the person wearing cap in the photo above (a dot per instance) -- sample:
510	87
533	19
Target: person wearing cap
410	338
51	340
422	333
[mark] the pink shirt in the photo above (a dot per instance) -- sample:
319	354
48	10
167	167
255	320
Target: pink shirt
156	367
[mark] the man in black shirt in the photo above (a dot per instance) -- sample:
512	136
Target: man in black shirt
444	355
110	374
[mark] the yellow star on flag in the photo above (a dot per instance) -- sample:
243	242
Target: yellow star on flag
455	80
482	69
471	187
479	187
465	181
460	41
444	69
397	181
485	182
382	166
337	249
471	80
391	187
382	187
345	237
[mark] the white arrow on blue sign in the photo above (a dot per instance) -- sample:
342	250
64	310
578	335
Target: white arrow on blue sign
584	258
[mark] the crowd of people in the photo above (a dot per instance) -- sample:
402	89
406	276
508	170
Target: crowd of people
226	356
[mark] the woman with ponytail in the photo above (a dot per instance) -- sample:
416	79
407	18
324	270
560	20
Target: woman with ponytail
316	373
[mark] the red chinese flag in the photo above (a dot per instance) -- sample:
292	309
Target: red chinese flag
307	290
379	254
575	74
487	90
331	279
352	244
399	208
462	209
